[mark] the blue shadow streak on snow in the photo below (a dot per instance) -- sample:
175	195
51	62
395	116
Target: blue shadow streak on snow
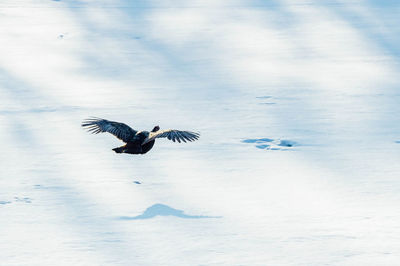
79	207
129	38
177	65
386	39
378	26
164	210
20	91
382	11
28	98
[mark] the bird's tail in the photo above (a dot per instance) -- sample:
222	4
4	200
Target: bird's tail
119	149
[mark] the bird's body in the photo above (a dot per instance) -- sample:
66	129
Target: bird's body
137	142
135	145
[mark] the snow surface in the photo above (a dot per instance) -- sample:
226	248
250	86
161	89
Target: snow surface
297	103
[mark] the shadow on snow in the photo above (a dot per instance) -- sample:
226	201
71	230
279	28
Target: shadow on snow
164	210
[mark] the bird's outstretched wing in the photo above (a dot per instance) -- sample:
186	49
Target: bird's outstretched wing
173	134
97	125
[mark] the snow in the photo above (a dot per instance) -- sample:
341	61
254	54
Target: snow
296	103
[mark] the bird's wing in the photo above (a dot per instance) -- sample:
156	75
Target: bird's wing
173	134
97	125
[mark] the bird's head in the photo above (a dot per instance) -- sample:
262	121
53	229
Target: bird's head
155	129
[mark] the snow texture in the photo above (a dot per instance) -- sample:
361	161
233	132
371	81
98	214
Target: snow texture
297	103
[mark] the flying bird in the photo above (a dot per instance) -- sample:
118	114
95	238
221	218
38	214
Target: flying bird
137	142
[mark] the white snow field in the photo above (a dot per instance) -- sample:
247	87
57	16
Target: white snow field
297	103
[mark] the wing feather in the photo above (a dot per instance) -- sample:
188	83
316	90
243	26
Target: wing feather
97	125
174	135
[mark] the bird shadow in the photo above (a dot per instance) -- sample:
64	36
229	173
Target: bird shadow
164	210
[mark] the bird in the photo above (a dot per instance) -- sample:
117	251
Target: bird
137	142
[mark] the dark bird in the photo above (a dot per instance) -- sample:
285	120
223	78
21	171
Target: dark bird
137	142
